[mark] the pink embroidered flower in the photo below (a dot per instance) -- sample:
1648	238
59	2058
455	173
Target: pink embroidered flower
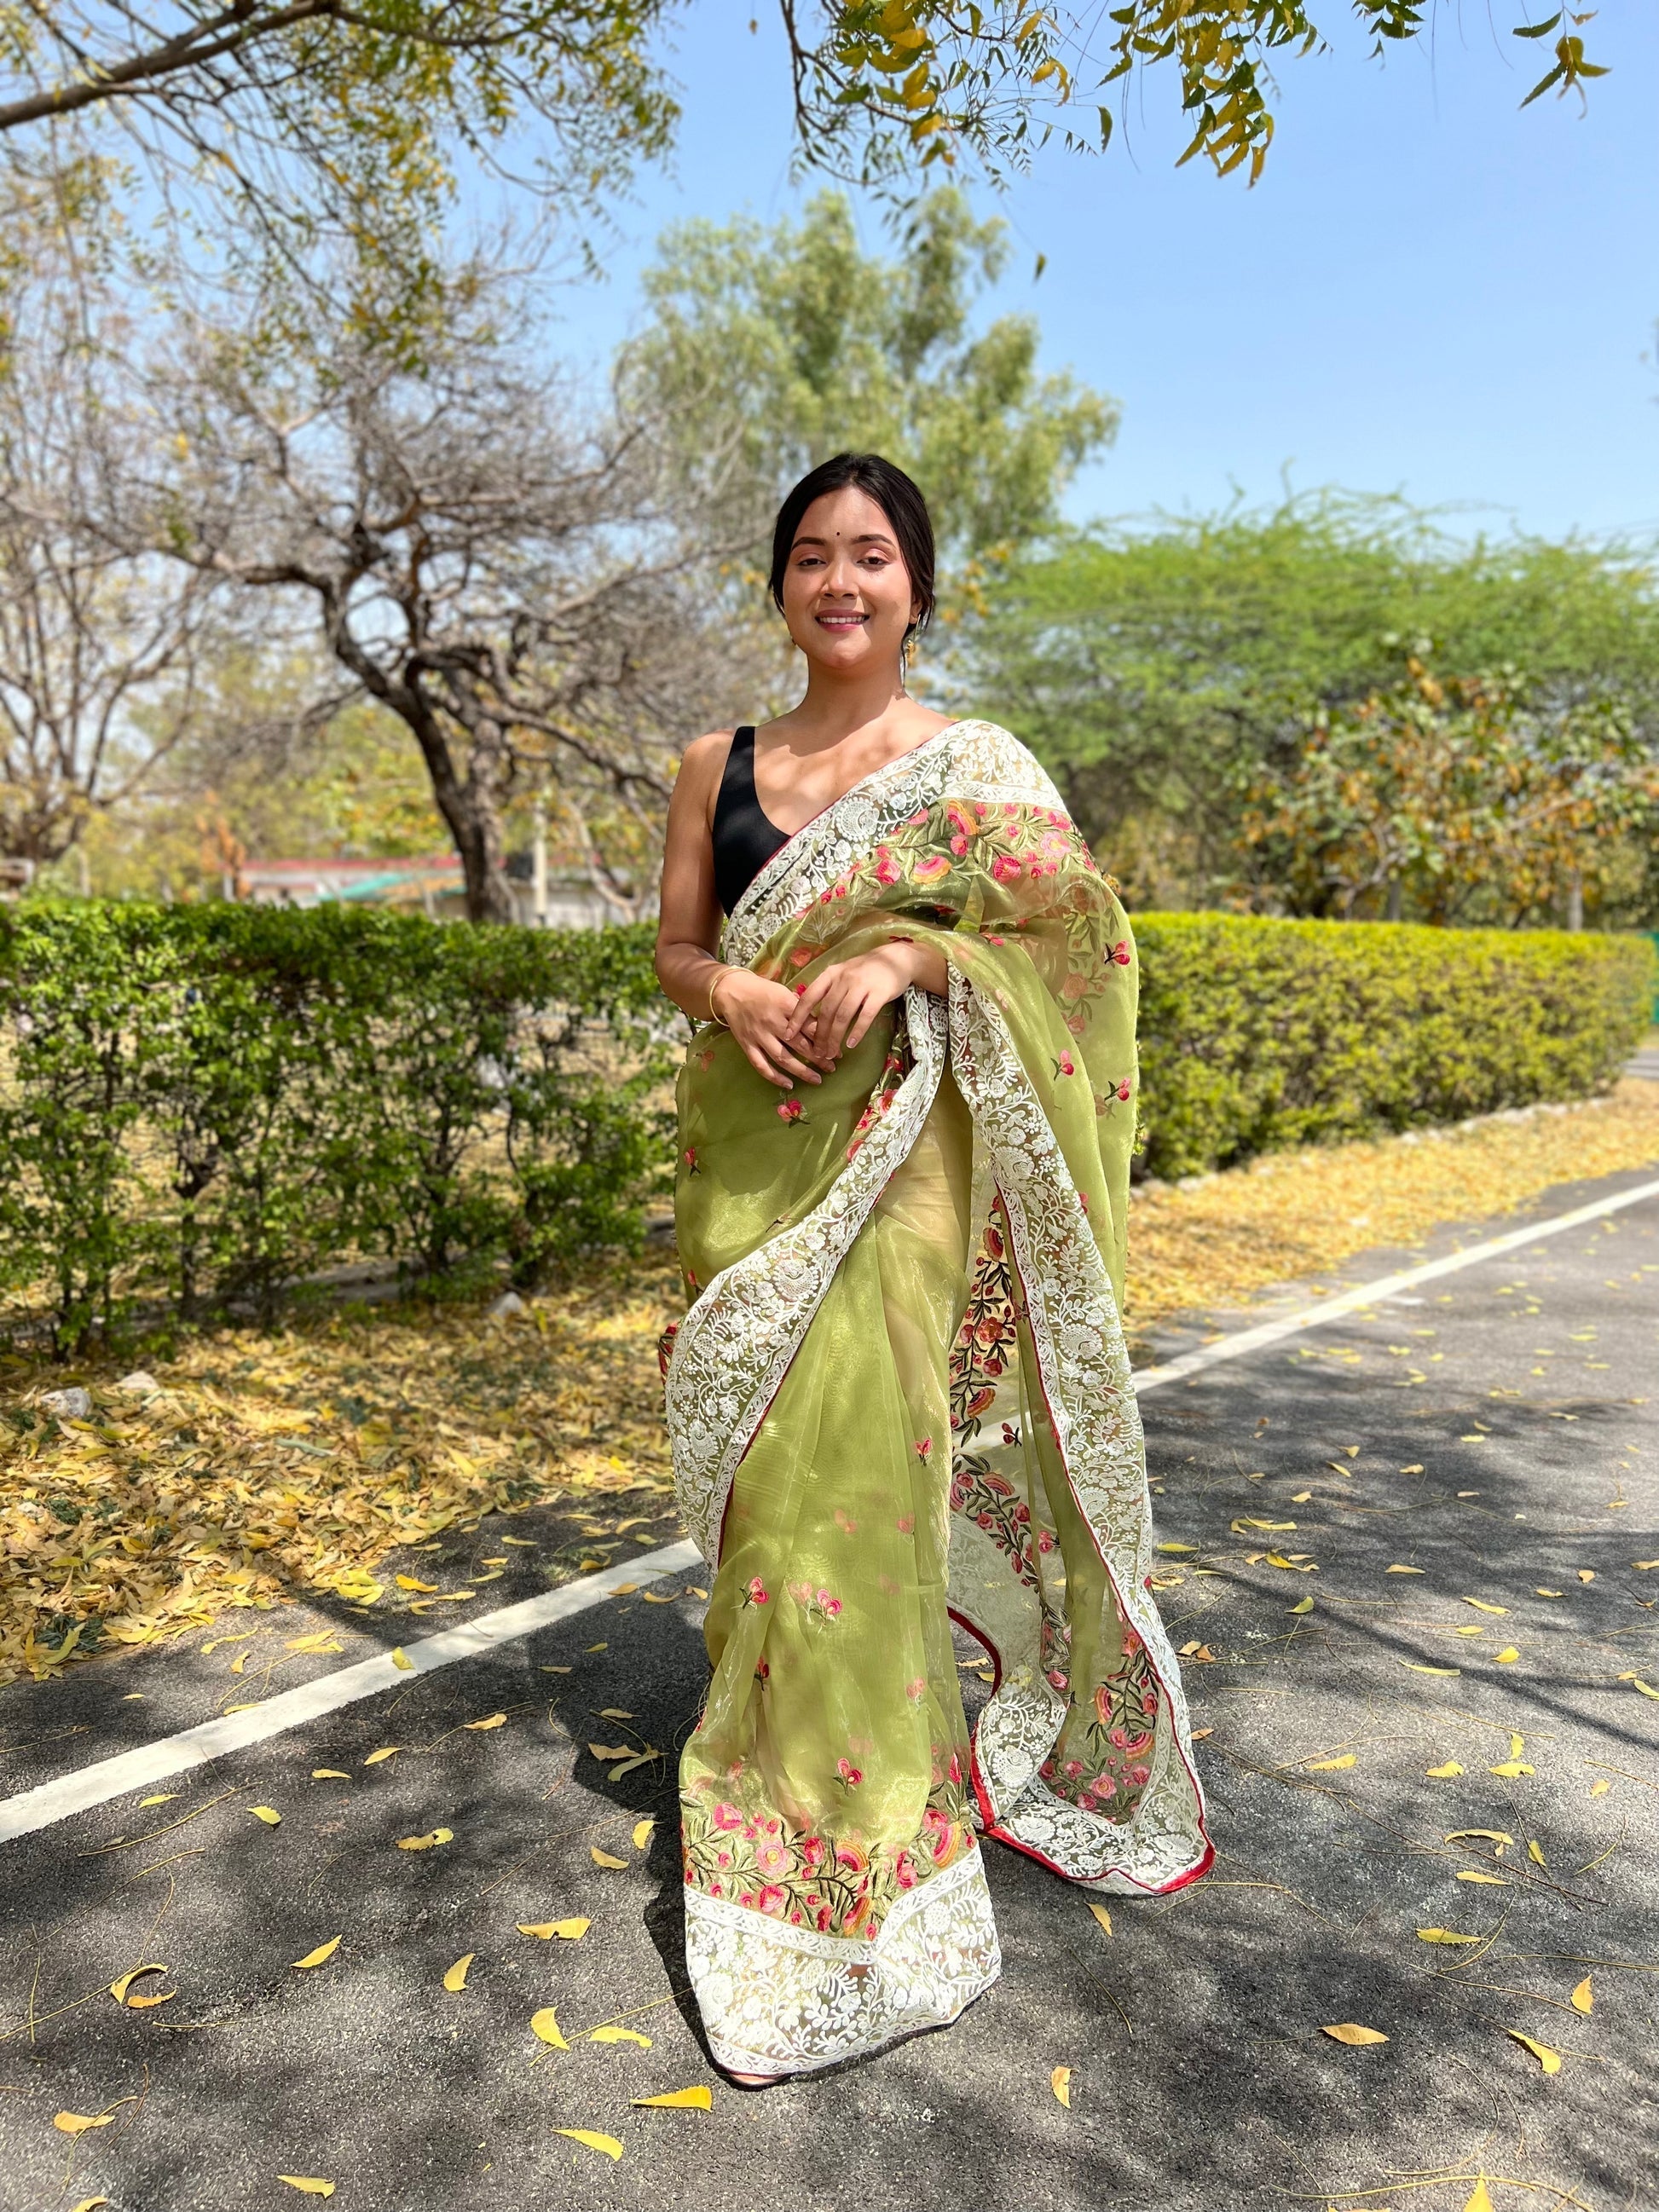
850	1857
851	1775
1057	1681
1120	953
1140	1776
989	940
1073	1768
924	1446
790	1111
1086	1800
1045	1540
755	1592
691	1159
845	1523
1123	1089
954	1770
762	1672
771	1899
772	1857
1004	867
917	1691
811	1857
905	1524
930	867
823	1920
888	870
903	1872
1064	1064
1119	1736
726	1816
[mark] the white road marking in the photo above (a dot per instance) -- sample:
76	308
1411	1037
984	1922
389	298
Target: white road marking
154	1762
53	1802
1370	1294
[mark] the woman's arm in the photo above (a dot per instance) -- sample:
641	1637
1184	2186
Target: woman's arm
758	1012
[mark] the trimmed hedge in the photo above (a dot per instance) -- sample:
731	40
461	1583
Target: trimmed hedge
200	1104
1257	1035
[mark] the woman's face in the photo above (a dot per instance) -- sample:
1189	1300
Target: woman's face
847	594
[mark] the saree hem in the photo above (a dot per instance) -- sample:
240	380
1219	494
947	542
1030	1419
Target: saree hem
777	1999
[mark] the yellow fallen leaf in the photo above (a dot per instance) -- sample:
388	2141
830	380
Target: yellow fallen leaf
545	2024
1411	1470
1642	1565
1506	1655
143	2004
1417	1667
604	1858
615	1713
691	1590
643	1831
425	1843
611	1750
322	1951
1061	2082
524	1543
608	2144
239	1662
408	1582
1646	1688
1175	1548
1544	1593
1443	1773
1510	1768
494	1721
1104	1915
1468	1874
1329	1765
1485	1835
118	1988
700	2100
272	1819
455	1978
308	2184
1405	1571
1349	2031
1536	1854
1303	1605
165	1797
1302	1498
1548	2059
77	2124
569	1931
1586	1574
1481	2202
1600	1789
620	2035
321	1640
660	1597
329	1774
399	1659
1445	1935
385	1751
1249	1521
1481	1606
91	2204
1583	1997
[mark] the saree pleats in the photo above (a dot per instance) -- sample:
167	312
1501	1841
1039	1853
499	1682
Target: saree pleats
900	1393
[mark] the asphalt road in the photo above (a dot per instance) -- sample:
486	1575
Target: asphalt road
1495	1433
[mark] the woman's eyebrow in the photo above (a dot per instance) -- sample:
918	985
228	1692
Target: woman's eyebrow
864	538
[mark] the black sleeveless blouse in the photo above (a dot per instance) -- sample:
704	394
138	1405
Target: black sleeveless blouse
744	837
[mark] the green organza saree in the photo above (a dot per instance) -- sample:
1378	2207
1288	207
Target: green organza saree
900	1395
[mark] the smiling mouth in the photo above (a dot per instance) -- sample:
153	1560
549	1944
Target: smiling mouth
846	620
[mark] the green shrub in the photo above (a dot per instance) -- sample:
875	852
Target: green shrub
200	1103
1257	1035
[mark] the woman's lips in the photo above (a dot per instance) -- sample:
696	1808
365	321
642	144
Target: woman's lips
840	622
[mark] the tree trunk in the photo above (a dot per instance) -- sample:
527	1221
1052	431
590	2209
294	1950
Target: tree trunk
1575	899
1395	899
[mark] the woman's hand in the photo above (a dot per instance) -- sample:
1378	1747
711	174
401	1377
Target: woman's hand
764	1019
835	1009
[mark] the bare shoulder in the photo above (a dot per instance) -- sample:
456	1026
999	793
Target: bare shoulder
701	765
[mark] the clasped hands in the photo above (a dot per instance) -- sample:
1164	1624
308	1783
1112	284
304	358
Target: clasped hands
785	1033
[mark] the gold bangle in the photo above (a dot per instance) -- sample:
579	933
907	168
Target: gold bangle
714	1010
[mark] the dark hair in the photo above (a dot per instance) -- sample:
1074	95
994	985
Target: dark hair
899	499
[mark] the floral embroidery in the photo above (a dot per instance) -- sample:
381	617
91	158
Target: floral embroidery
792	1110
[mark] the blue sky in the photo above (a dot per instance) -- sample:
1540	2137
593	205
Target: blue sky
1428	292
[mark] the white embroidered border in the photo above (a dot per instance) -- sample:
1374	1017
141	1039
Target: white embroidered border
1084	1371
735	1344
964	760
778	1999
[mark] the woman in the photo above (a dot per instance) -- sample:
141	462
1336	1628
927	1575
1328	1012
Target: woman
900	1395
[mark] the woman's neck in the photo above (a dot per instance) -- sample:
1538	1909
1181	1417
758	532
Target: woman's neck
837	706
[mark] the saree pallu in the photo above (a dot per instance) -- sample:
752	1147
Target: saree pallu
900	1395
